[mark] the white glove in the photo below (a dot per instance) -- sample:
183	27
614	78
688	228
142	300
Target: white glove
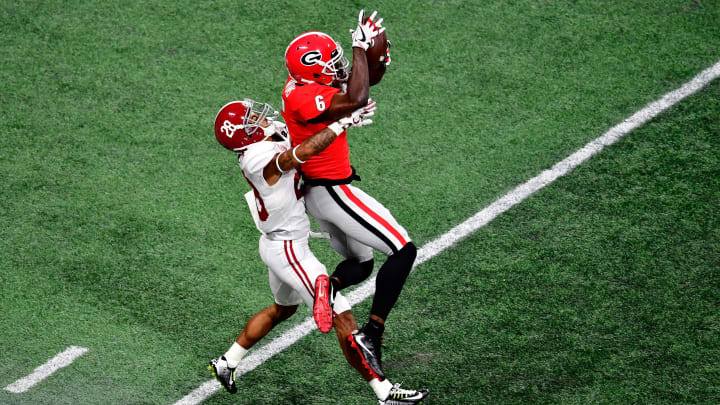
277	128
386	59
364	35
368	110
357	118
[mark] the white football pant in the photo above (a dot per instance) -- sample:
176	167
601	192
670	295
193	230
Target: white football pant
292	270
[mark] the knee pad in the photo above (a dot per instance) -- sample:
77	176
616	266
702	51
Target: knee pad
367	268
409	249
407	254
350	272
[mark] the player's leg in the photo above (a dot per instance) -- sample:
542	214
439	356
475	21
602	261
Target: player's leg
356	215
352	271
344	325
360	218
286	302
388	285
223	368
297	267
385	391
261	324
358	263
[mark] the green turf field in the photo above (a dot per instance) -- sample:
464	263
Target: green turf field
123	228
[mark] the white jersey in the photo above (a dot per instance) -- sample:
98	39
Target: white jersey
280	207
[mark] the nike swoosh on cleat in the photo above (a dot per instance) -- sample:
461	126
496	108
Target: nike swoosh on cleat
361	344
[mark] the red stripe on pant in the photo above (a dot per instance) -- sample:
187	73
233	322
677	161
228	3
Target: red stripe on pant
373	214
307	285
292	251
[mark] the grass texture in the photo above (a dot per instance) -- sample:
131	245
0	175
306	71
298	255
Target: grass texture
123	228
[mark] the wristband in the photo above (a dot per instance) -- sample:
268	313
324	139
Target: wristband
295	156
277	164
336	128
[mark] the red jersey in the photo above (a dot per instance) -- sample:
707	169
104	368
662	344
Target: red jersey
301	103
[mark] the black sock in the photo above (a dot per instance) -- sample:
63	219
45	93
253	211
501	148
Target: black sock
350	272
390	280
373	328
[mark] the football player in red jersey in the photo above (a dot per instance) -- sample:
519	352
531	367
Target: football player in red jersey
319	91
269	165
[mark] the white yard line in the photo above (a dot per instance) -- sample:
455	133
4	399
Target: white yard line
475	222
61	360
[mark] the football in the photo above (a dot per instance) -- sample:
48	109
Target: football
375	58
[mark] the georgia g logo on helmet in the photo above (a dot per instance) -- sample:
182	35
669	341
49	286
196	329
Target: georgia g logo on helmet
314	57
311	58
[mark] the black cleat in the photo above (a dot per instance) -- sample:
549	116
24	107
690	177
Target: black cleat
369	349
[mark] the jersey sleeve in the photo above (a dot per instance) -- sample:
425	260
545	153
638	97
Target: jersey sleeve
256	157
313	100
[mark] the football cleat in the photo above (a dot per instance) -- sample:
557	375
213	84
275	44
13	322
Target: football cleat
399	396
224	374
369	350
324	302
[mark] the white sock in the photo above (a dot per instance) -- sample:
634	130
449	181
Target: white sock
381	388
234	354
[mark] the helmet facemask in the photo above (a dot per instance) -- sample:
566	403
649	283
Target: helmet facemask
337	66
258	115
264	116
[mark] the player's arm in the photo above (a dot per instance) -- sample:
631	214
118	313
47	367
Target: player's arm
298	155
283	162
358	86
356	96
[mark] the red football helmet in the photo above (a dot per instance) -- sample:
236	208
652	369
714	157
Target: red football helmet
237	124
314	57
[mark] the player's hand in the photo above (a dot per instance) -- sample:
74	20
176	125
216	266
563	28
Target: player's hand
359	117
281	129
365	33
276	127
386	59
369	109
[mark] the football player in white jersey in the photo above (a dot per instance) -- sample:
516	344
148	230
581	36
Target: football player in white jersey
269	165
